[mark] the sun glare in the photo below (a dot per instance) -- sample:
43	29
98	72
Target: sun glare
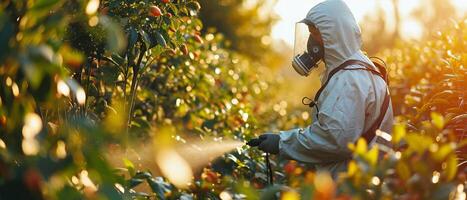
292	11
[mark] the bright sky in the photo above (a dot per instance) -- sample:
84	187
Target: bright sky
291	11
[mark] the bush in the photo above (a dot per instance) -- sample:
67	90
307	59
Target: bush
84	80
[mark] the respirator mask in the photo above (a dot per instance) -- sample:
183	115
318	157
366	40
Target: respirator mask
308	50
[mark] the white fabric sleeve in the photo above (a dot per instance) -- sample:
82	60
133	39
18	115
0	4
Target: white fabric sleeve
341	120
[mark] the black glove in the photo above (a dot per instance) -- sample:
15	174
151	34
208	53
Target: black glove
270	143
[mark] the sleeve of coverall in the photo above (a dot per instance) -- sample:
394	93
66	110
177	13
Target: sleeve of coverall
340	121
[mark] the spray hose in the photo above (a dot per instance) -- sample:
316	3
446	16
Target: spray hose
254	143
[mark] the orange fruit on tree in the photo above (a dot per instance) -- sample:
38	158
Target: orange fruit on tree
198	38
155	11
289	168
184	49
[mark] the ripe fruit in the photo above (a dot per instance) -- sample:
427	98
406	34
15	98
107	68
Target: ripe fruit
197	5
172	29
210	176
2	121
171	52
155	11
258	185
32	179
169	15
184	49
198	38
165	1
196	54
289	168
94	63
104	10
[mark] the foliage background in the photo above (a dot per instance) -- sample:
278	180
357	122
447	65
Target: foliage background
93	91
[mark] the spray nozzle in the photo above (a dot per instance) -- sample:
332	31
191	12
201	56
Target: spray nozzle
255	142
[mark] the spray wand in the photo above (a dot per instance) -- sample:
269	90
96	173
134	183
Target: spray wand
254	143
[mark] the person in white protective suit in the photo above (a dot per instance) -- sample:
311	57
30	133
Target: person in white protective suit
353	100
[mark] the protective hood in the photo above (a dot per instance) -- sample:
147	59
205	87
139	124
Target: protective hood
339	30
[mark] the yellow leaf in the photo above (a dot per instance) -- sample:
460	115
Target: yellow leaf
361	147
403	170
418	142
399	132
352	168
351	146
290	195
128	163
372	155
451	167
437	119
114	121
443	152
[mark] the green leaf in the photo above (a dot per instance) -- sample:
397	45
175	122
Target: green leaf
132	37
194	6
307	192
32	71
232	157
159	39
270	192
166	20
92	90
117	59
109	74
6	32
143	195
68	192
174	9
143	175
129	165
43	5
145	38
134	182
245	188
157	187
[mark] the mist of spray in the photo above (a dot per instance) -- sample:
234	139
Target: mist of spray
199	153
175	161
178	162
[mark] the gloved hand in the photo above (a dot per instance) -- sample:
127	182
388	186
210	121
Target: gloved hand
270	143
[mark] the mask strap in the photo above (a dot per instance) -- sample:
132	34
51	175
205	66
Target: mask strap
310	103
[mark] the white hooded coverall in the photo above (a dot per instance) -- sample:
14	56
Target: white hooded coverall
349	104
